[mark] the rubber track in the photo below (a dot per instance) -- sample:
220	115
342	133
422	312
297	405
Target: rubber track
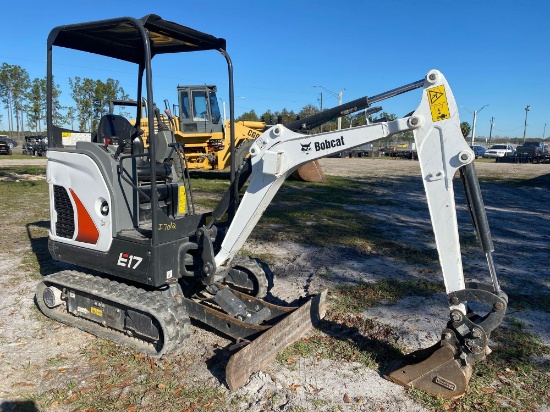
252	266
171	315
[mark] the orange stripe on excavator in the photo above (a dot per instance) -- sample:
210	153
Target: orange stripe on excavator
87	231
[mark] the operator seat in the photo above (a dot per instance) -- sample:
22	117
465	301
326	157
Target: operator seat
116	128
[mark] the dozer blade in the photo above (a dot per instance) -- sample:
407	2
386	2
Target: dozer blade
263	350
310	172
433	370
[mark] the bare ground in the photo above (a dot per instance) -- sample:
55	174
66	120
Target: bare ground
39	355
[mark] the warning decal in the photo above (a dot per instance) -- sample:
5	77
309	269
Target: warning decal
438	103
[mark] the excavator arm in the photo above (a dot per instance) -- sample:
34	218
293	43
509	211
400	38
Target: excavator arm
442	150
445	368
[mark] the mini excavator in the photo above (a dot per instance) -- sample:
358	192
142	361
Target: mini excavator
147	262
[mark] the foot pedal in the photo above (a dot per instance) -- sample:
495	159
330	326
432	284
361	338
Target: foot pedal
433	370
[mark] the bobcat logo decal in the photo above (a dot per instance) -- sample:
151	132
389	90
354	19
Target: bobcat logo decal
306	147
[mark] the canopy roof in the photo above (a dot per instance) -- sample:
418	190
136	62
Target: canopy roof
124	38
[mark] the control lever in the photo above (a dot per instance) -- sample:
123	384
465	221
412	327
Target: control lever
121	146
161	125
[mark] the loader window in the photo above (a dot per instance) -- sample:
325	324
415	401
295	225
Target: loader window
200	107
215	108
185	105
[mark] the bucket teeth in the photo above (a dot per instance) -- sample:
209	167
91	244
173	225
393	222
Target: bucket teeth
434	370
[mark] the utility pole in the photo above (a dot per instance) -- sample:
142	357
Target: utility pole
339	104
544	132
525	125
490	130
474	122
338	96
321	105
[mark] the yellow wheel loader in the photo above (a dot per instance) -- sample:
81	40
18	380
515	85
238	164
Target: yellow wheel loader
147	262
198	124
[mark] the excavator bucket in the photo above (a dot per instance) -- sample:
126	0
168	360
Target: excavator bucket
433	370
310	172
262	350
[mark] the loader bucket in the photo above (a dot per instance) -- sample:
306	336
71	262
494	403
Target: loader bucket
434	370
263	350
310	172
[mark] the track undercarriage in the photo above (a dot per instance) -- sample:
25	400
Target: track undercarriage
158	322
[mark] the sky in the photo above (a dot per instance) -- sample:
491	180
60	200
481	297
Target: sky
494	54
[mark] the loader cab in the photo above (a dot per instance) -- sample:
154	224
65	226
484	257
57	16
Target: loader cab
199	109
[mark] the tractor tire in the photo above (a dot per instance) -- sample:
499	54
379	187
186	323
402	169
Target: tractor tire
242	152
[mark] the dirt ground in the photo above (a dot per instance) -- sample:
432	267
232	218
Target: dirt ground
520	225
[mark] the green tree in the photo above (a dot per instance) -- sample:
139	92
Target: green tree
308	110
268	118
70	117
103	94
14	86
285	116
36	107
82	94
465	129
248	116
92	99
37	104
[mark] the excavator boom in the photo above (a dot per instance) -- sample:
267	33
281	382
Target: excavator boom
444	369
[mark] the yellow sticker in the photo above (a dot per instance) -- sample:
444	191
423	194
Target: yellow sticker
438	103
96	311
182	201
65	134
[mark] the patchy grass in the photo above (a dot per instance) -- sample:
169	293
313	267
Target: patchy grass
521	181
266	257
26	209
533	301
18	156
314	214
34	170
25	204
207	193
121	380
514	377
346	336
211	186
357	298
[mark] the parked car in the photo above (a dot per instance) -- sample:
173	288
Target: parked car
532	149
35	145
11	143
479	151
499	150
4	148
